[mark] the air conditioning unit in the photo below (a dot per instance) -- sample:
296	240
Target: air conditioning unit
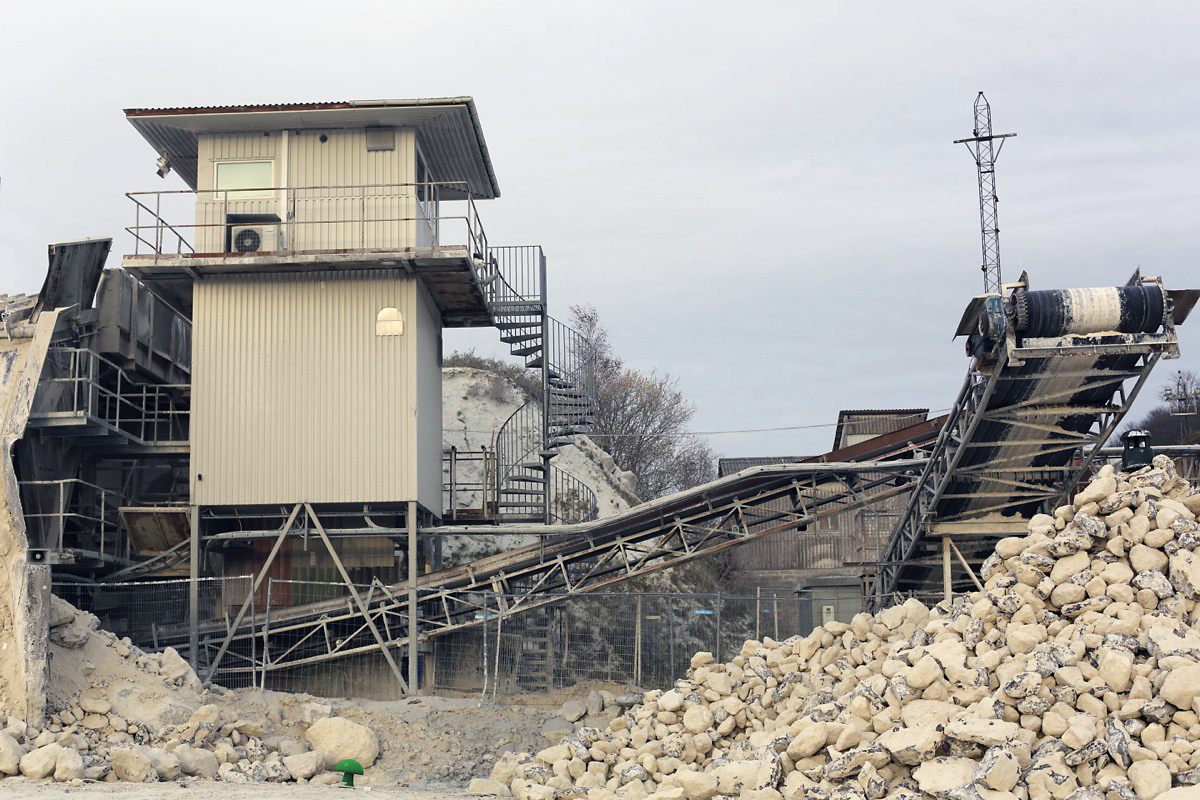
254	238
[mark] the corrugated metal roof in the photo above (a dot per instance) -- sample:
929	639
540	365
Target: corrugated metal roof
448	129
729	466
874	421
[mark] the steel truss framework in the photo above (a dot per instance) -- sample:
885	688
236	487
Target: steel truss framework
1010	446
570	560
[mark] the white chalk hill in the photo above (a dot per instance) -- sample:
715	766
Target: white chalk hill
475	405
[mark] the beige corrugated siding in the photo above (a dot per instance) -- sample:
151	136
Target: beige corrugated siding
380	214
212	208
296	399
368	217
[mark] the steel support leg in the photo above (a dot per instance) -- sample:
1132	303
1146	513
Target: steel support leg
410	519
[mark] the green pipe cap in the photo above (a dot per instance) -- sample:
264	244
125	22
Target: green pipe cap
349	768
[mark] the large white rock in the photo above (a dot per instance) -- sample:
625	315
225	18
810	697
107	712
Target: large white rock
1181	686
10	755
1143	558
1149	778
671	701
338	738
40	763
924	672
929	712
199	762
912	746
485	786
1097	490
808	740
987	732
1116	668
305	765
696	785
697	719
69	766
945	774
133	764
165	764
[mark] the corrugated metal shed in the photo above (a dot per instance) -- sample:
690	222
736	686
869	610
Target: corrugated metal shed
296	397
448	129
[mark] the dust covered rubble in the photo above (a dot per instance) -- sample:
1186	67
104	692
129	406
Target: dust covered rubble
1074	674
122	714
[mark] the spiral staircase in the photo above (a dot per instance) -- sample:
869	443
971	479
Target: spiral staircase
530	488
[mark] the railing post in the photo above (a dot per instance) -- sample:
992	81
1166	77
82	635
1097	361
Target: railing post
453	483
548	497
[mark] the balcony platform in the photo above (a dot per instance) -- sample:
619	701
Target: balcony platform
450	273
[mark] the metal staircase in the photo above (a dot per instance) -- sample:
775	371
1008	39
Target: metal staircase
534	433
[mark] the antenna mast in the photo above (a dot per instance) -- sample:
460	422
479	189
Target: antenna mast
981	149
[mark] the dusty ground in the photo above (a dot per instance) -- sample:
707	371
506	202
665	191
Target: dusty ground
430	748
212	790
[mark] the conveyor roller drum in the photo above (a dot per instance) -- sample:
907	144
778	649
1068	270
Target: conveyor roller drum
1124	309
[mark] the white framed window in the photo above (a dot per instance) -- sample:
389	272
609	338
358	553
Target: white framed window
244	180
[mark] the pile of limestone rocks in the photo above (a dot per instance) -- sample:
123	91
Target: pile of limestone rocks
1074	673
144	717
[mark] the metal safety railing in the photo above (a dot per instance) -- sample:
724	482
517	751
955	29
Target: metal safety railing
300	219
80	385
468	484
56	509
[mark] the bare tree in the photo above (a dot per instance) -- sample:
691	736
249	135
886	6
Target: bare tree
642	419
1177	420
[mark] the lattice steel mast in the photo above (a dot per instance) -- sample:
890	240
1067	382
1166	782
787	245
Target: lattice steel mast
981	149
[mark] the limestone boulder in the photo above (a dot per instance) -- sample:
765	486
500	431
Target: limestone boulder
133	764
69	765
338	738
303	766
941	776
10	754
197	762
40	762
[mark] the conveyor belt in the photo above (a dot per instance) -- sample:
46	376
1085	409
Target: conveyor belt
1027	407
571	559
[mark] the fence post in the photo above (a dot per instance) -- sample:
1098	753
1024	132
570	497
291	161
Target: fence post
757	613
637	637
499	632
775	613
671	628
266	633
483	695
717	653
253	638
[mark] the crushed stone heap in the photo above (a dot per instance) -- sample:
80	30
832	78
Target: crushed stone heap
1074	674
122	714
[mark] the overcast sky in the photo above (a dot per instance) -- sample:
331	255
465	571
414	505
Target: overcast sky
760	198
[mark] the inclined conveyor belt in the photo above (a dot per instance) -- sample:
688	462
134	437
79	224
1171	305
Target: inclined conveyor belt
1049	376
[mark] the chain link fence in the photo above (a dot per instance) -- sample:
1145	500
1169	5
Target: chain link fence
154	615
572	643
566	645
